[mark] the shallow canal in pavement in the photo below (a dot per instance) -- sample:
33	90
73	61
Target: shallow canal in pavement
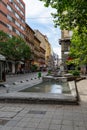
49	87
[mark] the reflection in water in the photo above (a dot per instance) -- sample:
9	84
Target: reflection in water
49	87
56	88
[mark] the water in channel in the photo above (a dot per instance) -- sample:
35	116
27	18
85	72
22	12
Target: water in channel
49	87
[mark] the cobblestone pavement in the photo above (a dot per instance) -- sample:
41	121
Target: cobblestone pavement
46	117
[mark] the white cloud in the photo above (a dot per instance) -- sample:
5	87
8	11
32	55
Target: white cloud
35	9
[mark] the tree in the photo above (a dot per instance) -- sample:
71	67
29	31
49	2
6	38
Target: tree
69	13
72	15
78	49
19	49
3	43
14	48
3	36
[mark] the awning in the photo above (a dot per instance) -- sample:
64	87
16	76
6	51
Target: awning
2	58
20	62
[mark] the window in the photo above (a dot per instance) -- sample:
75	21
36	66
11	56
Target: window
20	3
17	15
10	35
22	35
17	23
17	32
22	28
9	17
10	27
13	29
21	12
22	20
9	8
18	9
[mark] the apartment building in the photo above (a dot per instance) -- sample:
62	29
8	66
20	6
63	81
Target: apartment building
12	17
65	47
41	37
48	53
37	52
12	22
30	41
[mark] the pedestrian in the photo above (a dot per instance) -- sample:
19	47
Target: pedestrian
39	75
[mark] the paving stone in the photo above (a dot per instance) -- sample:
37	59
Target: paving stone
80	128
56	122
42	125
57	117
6	128
36	112
11	109
55	127
32	124
6	114
12	123
35	119
3	121
64	127
67	122
22	124
79	123
26	119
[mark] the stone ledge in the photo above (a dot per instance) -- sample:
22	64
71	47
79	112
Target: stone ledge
38	98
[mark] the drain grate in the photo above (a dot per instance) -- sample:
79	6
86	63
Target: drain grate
36	112
3	122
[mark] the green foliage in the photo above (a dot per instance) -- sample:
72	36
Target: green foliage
49	72
34	68
75	72
14	48
72	15
3	36
69	13
78	49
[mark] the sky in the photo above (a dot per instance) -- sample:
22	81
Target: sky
39	17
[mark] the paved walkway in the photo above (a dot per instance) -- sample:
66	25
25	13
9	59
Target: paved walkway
46	117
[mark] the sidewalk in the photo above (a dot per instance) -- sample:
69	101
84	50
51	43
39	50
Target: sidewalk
46	117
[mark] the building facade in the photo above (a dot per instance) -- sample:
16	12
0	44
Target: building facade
42	39
47	53
12	22
12	17
30	41
65	47
37	52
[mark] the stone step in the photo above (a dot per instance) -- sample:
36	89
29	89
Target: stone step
39	98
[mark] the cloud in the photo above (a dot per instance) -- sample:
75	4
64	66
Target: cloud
35	10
